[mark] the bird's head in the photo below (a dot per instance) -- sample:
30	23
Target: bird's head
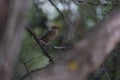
55	27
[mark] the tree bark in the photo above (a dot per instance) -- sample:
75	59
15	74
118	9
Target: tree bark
13	18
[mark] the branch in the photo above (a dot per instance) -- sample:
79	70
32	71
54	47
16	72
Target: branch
97	3
60	47
33	71
86	10
111	9
65	22
40	45
106	72
25	64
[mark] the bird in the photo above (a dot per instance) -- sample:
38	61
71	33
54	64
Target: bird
49	36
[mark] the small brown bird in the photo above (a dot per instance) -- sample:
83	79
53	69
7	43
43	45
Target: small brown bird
49	35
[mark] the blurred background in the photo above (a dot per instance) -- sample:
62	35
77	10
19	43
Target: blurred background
75	18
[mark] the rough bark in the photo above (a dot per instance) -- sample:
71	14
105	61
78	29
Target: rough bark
13	15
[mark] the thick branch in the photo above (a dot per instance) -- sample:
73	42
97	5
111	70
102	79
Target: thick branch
13	17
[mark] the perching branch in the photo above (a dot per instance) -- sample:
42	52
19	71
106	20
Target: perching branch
40	45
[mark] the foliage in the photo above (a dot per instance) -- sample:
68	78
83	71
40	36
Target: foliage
37	17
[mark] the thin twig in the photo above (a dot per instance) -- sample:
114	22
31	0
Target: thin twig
106	72
111	8
40	45
97	3
52	46
59	47
32	71
86	10
65	22
25	66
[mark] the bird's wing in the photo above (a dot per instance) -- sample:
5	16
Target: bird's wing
45	34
